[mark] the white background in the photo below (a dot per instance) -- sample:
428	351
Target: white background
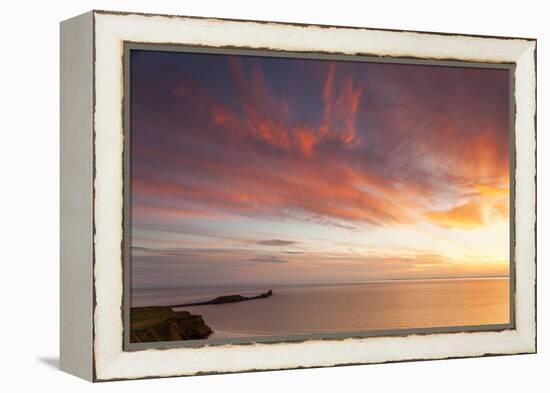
29	204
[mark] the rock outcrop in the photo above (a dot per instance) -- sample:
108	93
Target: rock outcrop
161	323
227	299
149	324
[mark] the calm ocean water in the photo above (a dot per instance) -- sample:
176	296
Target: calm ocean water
311	309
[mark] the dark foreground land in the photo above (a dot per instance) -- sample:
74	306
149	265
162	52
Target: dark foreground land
149	324
161	323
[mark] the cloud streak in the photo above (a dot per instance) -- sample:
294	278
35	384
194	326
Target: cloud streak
221	142
267	259
277	242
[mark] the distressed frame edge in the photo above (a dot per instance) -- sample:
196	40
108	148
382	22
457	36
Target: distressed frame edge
76	196
525	133
528	340
304	24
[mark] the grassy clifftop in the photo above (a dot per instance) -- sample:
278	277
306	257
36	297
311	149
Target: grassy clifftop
149	324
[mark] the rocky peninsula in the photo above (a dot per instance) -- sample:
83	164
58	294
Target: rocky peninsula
227	299
149	324
162	323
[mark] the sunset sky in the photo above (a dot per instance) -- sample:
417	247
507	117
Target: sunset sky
259	170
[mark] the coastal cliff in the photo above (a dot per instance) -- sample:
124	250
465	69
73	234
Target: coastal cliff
162	323
150	324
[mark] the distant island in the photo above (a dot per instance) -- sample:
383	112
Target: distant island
161	323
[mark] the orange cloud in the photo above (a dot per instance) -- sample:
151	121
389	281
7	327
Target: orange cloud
396	171
485	204
266	118
306	140
467	216
340	108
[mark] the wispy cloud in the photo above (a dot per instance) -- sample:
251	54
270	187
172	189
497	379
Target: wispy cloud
267	259
277	242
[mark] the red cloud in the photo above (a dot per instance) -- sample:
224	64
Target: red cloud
266	118
251	156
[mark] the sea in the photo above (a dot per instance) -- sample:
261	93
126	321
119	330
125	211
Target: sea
340	308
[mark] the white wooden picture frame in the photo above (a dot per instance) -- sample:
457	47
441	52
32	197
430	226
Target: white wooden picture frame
92	195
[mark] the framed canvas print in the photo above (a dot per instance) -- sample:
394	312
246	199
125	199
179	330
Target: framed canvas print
245	195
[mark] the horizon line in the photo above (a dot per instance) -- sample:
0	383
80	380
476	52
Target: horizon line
328	283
